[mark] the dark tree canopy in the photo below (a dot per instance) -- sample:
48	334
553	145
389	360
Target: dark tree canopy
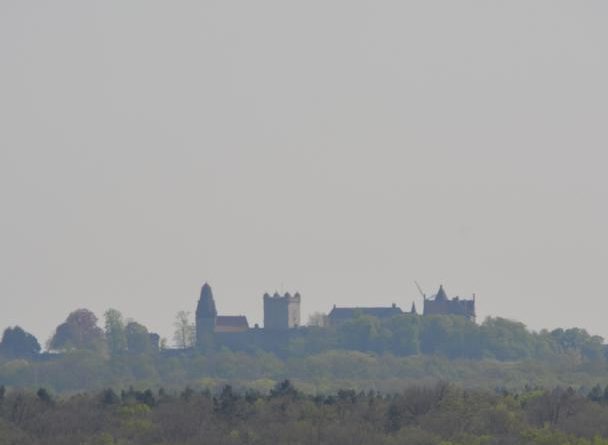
18	343
79	331
432	414
138	338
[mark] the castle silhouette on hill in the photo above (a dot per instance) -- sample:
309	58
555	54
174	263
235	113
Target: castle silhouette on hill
282	318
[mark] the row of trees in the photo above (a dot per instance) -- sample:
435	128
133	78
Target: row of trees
325	371
404	335
362	353
453	337
440	414
80	331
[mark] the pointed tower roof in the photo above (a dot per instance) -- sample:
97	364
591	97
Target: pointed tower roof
413	311
441	295
206	303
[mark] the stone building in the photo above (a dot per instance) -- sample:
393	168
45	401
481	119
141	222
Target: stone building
281	312
339	315
281	318
209	323
440	304
231	323
206	314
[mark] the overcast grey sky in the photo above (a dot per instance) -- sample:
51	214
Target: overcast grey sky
340	148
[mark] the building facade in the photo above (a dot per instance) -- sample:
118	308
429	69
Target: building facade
440	304
281	312
281	316
206	315
282	320
209	324
339	315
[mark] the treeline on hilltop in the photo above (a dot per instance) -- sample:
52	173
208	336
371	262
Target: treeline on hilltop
362	353
441	414
452	337
404	335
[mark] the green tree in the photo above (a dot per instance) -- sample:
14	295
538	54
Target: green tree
435	332
115	332
403	335
138	338
507	340
579	340
318	319
185	331
361	334
18	343
79	331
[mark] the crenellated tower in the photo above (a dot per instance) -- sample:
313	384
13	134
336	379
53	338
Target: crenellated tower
281	312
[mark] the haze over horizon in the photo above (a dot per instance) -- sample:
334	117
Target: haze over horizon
339	149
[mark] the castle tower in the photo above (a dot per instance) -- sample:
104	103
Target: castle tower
281	312
442	305
206	316
441	295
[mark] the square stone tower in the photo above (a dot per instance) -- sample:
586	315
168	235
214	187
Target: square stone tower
281	312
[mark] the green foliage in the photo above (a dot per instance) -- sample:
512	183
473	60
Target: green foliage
506	340
185	331
402	335
138	338
115	332
452	337
362	333
580	341
324	371
78	332
18	343
363	353
441	414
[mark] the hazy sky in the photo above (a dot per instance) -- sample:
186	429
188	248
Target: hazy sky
343	149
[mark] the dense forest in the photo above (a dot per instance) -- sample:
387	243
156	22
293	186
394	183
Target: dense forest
441	414
361	382
362	354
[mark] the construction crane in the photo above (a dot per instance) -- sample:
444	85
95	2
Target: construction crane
420	290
